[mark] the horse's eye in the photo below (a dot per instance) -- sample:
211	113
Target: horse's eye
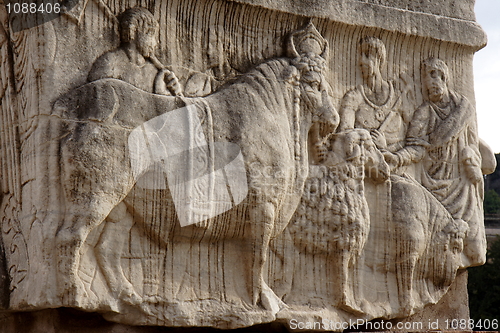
314	85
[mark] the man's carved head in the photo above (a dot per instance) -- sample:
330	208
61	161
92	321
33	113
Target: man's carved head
372	54
139	26
435	74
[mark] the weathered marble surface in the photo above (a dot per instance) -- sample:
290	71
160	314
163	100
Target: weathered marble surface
230	163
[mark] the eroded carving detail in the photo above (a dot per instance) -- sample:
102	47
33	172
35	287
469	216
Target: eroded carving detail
249	199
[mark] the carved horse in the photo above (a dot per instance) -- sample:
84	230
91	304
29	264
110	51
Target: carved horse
267	112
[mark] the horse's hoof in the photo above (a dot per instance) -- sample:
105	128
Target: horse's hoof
271	302
72	293
352	308
131	297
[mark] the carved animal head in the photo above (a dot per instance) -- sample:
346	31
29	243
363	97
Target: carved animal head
314	90
356	147
456	231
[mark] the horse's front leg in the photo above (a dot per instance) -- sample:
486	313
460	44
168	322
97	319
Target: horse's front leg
263	222
69	241
109	251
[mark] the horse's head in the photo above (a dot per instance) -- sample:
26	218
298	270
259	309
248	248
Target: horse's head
315	92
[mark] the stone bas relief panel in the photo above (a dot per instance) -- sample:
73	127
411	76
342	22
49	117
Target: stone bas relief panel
210	163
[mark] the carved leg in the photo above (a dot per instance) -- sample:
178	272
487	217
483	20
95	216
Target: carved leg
410	216
153	269
408	252
340	263
284	249
404	274
347	298
262	219
69	241
109	251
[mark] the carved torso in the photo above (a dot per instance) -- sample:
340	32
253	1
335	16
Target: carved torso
384	117
117	65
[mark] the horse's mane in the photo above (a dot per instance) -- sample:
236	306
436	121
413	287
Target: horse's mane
269	83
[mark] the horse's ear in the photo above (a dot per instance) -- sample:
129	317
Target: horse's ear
291	51
326	50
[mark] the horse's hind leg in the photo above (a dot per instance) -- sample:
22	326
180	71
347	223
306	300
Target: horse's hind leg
68	284
109	251
263	220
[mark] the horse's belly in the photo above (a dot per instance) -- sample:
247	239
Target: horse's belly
155	212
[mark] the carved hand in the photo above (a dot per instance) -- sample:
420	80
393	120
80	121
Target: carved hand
166	82
471	162
391	159
172	83
321	151
379	139
473	173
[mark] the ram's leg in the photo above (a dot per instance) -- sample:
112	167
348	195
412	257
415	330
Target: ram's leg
344	285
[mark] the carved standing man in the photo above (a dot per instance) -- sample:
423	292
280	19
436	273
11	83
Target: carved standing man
443	135
134	60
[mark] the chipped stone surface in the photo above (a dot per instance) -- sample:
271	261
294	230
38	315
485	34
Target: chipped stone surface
231	163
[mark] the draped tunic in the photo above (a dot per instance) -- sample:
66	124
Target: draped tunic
445	141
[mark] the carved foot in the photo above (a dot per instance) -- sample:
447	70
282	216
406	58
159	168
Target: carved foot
71	291
153	306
